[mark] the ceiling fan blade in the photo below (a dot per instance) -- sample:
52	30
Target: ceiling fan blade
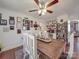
49	11
52	3
33	10
37	2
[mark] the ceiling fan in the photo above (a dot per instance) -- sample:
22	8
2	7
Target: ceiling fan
43	7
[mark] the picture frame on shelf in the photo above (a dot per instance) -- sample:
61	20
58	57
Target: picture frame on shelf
11	20
3	22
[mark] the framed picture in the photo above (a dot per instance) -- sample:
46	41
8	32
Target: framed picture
26	24
19	19
31	23
11	27
26	21
18	31
19	23
11	20
3	22
5	29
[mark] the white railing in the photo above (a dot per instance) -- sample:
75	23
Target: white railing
71	41
29	46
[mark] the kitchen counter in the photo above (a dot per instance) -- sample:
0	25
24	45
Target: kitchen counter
53	49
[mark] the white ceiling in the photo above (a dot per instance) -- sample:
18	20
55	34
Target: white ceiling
64	6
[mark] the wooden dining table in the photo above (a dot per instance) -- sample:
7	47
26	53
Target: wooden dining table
52	49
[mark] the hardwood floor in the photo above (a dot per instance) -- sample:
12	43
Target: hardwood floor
75	54
76	48
10	54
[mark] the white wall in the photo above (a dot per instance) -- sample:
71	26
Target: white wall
11	38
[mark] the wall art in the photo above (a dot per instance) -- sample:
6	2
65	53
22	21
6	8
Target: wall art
19	23
31	23
5	29
18	31
11	20
11	27
3	22
36	25
26	24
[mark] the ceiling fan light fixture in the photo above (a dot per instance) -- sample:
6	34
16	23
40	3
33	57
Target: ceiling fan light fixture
40	5
42	11
39	11
44	7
